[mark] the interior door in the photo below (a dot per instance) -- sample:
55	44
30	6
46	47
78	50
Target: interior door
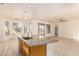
56	31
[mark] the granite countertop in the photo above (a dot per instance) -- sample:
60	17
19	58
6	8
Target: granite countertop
33	42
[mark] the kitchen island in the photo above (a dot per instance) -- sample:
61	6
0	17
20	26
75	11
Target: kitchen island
34	47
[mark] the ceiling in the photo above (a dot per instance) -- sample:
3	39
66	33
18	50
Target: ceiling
51	12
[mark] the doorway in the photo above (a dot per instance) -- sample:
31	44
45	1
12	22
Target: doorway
41	31
56	31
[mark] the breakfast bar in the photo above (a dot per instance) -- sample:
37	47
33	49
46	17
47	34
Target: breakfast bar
34	47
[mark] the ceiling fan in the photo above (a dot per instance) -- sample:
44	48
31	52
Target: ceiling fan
62	20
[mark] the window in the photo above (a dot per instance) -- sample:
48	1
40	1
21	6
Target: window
48	28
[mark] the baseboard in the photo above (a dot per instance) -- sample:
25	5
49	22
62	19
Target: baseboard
76	40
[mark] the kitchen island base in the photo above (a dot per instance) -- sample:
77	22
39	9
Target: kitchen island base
26	50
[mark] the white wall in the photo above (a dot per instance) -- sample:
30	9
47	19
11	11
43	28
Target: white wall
69	29
14	10
12	13
3	30
13	34
35	28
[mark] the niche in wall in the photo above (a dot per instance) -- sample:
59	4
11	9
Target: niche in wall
7	28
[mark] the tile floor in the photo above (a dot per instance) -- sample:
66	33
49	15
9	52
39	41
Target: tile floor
64	47
9	48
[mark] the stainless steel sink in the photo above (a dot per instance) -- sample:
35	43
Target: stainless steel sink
27	38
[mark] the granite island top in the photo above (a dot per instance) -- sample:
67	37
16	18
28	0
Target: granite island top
34	42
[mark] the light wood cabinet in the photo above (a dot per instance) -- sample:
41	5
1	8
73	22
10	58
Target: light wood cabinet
26	50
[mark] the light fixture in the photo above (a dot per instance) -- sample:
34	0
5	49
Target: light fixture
62	20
